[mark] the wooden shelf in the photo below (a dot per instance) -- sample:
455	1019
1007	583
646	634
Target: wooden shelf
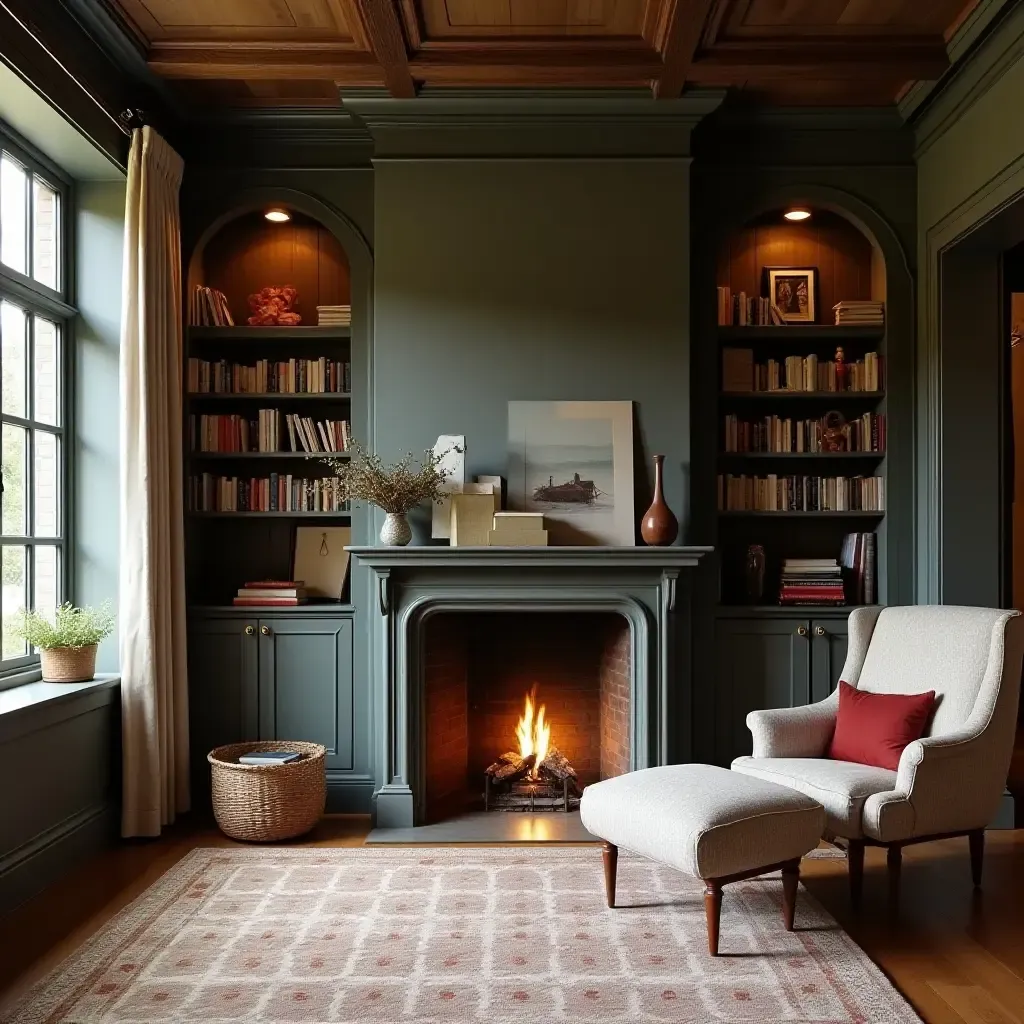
801	455
270	515
332	333
270	396
801	611
852	514
803	396
800	332
268	455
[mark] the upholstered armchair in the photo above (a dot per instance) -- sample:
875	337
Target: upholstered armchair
949	782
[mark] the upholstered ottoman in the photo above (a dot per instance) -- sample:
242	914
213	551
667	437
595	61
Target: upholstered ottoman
710	822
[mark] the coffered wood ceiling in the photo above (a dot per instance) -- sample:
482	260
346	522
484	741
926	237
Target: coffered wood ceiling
302	52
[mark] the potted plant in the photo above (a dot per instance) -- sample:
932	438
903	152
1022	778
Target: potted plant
67	642
395	489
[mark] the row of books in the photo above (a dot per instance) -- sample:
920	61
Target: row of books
334	316
746	310
799	373
280	492
272	593
288	376
208	307
774	493
781	434
859	313
858	558
262	433
811	581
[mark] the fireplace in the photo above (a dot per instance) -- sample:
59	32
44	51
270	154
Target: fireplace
465	633
523	709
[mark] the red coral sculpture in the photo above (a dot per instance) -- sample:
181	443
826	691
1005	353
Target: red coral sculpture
273	307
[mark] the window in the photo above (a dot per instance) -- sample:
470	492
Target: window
34	332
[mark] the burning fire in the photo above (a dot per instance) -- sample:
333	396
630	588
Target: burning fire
533	733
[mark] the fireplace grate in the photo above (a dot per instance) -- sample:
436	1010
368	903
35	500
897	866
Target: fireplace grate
516	783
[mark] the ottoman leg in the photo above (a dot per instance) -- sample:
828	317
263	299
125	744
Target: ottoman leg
610	854
790	880
712	913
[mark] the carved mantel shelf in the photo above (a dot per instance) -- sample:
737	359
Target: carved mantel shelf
646	586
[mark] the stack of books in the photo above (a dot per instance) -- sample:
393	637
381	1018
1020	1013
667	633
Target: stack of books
811	581
208	307
334	316
274	593
270	757
518	530
858	559
861	313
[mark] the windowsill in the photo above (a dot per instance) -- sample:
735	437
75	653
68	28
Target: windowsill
22	698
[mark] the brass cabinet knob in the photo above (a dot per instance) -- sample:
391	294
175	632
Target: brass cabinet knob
801	631
265	630
249	630
819	630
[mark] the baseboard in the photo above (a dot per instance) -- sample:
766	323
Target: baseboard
1005	815
349	796
28	870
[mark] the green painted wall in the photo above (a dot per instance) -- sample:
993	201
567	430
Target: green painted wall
99	231
499	280
970	158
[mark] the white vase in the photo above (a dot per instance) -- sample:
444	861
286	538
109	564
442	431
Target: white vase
395	532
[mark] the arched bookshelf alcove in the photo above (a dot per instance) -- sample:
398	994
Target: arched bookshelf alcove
801	410
262	402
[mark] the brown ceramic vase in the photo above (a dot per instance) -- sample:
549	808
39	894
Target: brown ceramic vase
659	527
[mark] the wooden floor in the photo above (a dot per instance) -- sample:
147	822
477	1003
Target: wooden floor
956	954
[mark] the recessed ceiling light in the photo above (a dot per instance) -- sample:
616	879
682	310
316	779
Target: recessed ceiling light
797	213
279	216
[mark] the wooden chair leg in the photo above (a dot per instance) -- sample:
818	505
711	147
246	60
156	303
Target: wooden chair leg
712	913
977	841
855	856
790	881
610	855
894	860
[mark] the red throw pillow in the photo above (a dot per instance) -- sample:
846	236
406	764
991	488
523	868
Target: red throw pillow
873	728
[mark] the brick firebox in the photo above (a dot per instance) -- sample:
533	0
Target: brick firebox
479	666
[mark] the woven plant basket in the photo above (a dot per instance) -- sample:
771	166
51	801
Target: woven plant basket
262	803
68	664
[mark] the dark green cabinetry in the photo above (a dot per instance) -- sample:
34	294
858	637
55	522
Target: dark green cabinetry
771	661
268	674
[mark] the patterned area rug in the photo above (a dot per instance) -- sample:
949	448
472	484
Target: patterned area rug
505	936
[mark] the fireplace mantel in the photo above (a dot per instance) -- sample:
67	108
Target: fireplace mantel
647	586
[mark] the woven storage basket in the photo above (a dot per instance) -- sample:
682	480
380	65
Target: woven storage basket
68	664
262	803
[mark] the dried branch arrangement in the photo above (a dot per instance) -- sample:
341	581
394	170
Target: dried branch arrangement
397	488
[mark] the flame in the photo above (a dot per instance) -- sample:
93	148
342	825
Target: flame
533	732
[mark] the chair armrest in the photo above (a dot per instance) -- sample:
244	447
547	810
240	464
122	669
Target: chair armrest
793	732
953	782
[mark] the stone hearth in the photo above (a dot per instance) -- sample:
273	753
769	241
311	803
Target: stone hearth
432	600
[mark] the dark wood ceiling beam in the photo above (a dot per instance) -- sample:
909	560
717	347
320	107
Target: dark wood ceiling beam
285	63
678	37
383	29
870	58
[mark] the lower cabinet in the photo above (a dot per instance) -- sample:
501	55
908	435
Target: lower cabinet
771	662
285	676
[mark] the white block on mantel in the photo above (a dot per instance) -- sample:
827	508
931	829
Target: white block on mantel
454	463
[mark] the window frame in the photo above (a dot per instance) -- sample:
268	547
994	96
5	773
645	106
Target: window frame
55	305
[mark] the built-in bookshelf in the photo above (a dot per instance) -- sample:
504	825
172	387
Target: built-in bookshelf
263	404
801	411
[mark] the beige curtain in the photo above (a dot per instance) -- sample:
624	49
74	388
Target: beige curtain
154	686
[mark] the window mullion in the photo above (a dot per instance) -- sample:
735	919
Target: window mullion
30	448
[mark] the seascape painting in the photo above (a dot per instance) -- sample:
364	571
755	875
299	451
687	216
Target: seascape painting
573	461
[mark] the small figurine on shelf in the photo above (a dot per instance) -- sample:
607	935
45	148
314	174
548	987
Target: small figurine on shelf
833	436
841	369
755	573
272	307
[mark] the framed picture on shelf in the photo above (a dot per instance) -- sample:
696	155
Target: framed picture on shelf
794	290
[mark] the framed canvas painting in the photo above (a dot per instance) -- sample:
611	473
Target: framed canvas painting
794	290
573	461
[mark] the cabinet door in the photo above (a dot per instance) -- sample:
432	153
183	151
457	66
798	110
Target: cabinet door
829	640
222	685
761	663
306	683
